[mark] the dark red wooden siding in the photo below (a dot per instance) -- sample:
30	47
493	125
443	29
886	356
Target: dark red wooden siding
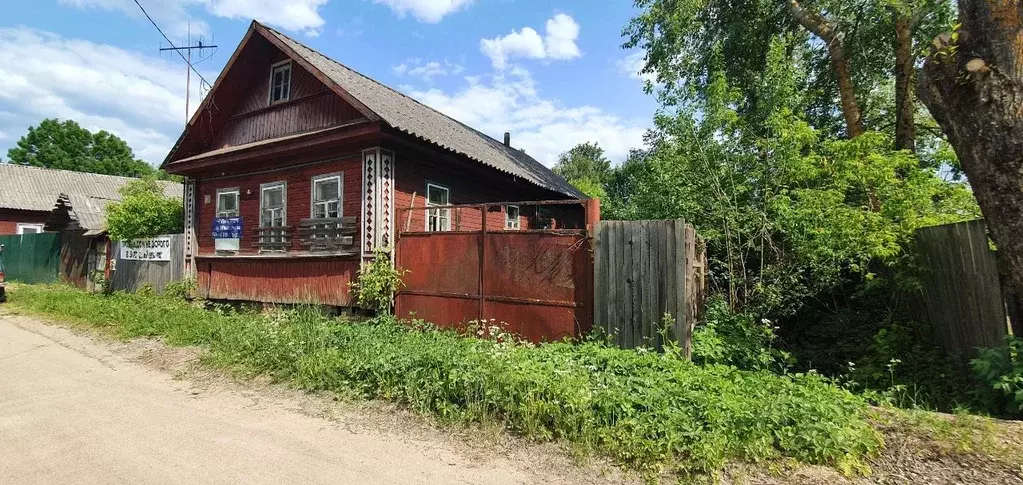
311	105
469	185
322	281
299	183
241	112
10	218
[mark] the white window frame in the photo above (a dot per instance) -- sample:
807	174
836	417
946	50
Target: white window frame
280	66
237	202
263	188
27	225
430	213
340	177
512	223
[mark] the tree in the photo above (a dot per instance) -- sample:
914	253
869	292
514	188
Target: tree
585	161
144	211
973	86
843	55
67	146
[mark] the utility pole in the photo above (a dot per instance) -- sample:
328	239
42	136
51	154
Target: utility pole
199	46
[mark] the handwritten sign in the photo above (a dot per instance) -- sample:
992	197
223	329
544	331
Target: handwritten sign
227	228
154	249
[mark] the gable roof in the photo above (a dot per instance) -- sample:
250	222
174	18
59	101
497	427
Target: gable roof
407	115
37	189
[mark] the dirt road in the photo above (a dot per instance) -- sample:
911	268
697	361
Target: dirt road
76	408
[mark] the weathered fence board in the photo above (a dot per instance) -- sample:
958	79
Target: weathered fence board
130	275
31	258
961	290
646	274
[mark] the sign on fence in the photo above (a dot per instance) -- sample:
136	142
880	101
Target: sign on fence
153	249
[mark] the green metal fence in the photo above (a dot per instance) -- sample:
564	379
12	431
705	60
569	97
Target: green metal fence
31	258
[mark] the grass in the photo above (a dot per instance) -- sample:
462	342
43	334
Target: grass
648	411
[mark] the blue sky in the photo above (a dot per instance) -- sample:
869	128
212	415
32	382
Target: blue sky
551	72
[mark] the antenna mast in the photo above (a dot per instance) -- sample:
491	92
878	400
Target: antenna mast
188	48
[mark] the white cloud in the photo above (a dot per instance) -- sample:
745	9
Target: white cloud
297	15
632	66
427	11
137	97
509	101
426	71
175	18
558	43
562	31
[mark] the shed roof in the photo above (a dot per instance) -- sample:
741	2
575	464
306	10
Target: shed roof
37	189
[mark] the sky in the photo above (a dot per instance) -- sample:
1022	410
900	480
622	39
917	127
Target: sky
551	72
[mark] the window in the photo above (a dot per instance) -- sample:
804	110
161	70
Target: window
511	217
280	82
29	228
438	219
227	202
326	196
272	200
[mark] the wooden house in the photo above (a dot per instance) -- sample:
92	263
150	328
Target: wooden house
297	167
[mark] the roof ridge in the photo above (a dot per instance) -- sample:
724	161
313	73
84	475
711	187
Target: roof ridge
64	170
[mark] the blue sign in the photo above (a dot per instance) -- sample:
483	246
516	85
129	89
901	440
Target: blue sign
227	228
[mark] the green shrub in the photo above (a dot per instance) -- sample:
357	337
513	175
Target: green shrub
180	289
1001	371
736	339
645	409
144	211
377	282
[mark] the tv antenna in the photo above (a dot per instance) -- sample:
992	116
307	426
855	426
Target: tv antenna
189	67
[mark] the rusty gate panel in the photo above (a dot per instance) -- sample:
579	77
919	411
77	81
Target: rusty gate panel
537	283
443	262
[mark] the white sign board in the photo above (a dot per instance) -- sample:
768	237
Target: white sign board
155	249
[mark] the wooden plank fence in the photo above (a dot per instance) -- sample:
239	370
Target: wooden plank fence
131	275
647	274
961	290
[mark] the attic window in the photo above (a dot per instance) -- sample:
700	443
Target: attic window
280	82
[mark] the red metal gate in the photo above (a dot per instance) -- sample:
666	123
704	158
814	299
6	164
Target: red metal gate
537	282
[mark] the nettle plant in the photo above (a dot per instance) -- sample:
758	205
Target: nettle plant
377	282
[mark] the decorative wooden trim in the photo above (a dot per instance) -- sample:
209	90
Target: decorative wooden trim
369	166
190	212
386	204
377	200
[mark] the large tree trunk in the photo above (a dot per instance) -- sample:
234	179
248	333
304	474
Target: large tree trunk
819	26
973	86
905	127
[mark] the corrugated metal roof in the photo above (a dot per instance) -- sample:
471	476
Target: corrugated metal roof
410	116
37	189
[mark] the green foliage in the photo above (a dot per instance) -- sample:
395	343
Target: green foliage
180	289
645	409
1001	371
67	146
585	161
377	282
689	43
144	211
738	340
